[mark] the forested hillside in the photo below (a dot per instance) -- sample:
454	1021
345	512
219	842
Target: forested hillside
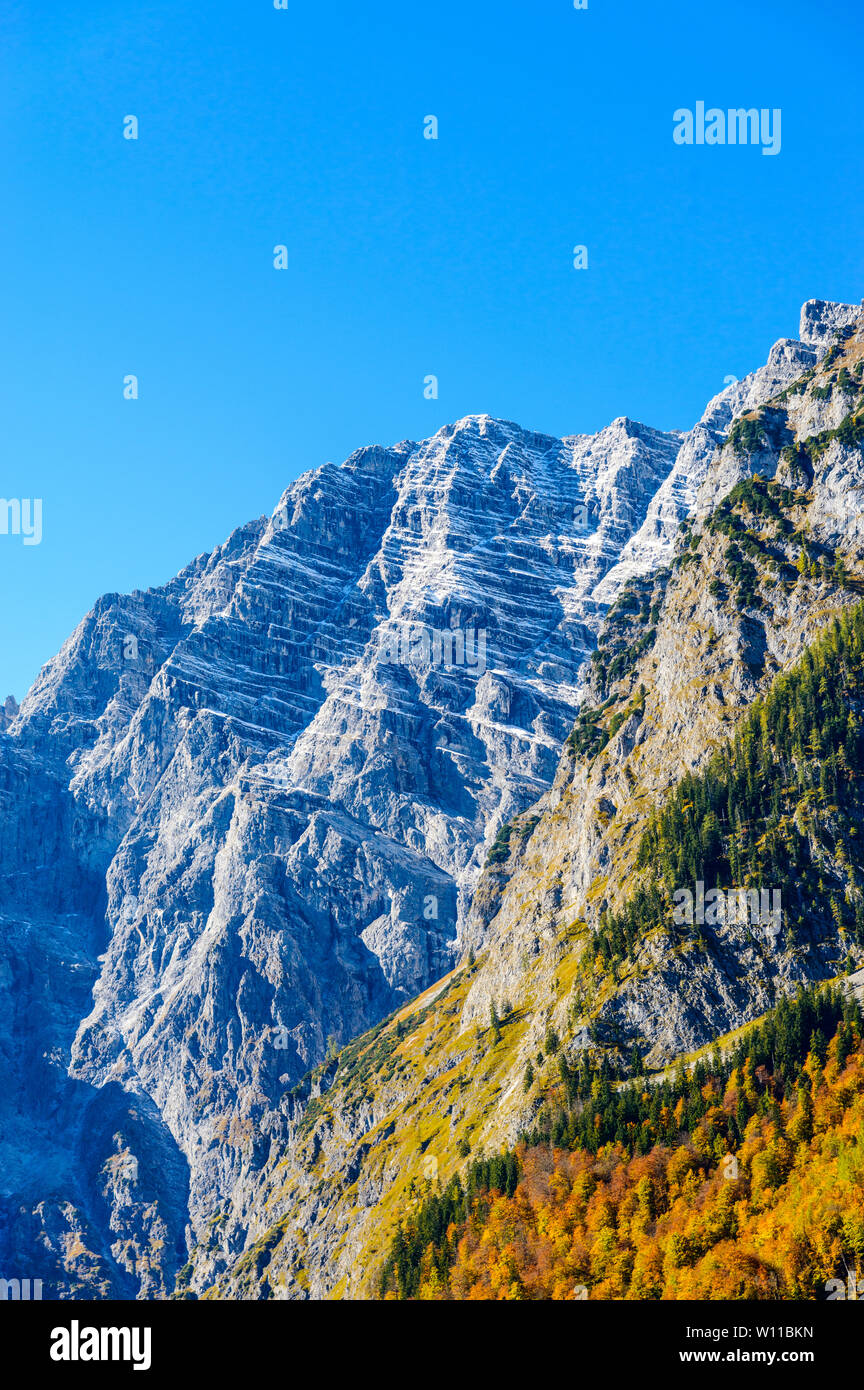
742	1177
778	808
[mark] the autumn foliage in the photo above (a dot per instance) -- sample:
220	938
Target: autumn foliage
775	1219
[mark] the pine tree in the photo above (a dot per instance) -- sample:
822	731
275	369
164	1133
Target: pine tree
495	1023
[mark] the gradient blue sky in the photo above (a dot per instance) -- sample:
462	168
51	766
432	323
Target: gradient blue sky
407	256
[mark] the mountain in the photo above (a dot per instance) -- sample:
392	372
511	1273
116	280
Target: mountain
572	945
246	815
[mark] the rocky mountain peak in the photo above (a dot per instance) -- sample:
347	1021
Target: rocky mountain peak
821	320
246	812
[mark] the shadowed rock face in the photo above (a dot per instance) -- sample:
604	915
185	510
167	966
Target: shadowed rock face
244	813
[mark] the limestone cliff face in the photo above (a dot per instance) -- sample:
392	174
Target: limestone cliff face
243	815
680	659
246	815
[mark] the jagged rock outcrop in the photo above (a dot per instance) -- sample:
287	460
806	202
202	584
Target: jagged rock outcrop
8	712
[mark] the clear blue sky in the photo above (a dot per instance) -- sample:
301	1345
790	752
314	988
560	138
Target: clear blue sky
407	256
